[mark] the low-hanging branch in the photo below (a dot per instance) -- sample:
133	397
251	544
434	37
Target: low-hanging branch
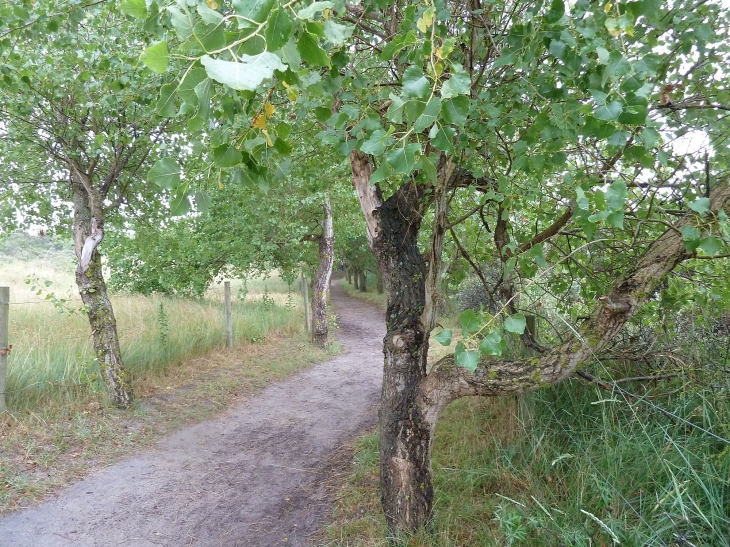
447	381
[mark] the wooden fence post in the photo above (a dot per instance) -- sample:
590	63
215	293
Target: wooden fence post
229	315
305	294
4	321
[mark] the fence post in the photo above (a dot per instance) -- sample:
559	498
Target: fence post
305	293
229	315
4	320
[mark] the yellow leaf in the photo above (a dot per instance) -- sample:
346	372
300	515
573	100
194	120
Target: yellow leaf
439	52
608	7
259	122
220	186
426	20
269	110
292	94
212	4
268	139
326	14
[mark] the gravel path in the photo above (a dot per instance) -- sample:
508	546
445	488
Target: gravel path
257	475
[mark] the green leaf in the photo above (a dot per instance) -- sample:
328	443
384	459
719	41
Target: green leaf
180	204
166	103
609	112
429	116
691	237
135	8
458	84
468	359
212	37
337	34
442	138
202	92
444	337
203	201
415	84
156	57
376	144
711	245
165	174
186	89
403	160
308	47
310	12
182	20
492	344
700	205
226	155
278	29
515	323
254	10
469	322
208	15
245	75
456	110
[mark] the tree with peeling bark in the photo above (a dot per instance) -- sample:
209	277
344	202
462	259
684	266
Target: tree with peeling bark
547	125
79	124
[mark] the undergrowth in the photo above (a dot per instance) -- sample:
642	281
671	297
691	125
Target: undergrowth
571	465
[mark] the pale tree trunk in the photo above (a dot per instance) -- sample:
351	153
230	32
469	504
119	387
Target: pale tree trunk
321	281
412	401
88	230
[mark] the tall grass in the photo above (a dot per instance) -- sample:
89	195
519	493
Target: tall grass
589	468
53	356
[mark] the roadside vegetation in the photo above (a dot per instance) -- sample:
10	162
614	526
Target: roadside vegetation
59	421
572	464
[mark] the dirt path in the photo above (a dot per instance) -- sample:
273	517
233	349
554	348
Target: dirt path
254	476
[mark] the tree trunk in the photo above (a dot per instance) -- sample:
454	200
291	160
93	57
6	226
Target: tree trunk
356	278
88	232
348	273
363	281
321	281
405	434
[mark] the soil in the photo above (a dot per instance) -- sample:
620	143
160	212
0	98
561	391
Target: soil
260	474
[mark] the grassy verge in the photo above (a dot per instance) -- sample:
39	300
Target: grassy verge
569	466
59	424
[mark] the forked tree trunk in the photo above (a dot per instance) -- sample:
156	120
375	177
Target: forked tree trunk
88	232
412	401
321	281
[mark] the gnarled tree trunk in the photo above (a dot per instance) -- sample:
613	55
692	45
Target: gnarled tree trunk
88	231
412	401
321	281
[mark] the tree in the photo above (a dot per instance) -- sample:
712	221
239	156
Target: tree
554	120
79	124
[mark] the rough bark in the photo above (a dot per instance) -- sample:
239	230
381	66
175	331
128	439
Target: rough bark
411	400
405	437
88	231
321	281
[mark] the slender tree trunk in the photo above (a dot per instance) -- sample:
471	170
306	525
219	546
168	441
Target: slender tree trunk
379	282
363	281
88	232
321	281
348	273
356	278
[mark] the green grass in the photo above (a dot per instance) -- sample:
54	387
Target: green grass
583	467
60	424
52	353
370	295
